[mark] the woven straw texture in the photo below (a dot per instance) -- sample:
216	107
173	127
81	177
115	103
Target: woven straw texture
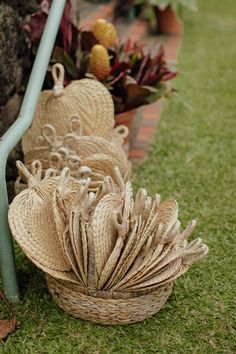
107	311
91	156
73	150
108	257
73	127
87	98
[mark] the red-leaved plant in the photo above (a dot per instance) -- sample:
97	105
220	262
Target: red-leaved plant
66	44
135	77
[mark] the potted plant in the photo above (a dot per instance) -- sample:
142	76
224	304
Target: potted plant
167	14
128	9
131	73
163	13
66	43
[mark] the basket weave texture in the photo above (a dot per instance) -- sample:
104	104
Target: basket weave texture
74	127
108	257
105	311
86	98
91	156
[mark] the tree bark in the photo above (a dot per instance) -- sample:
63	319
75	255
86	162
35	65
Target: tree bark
15	65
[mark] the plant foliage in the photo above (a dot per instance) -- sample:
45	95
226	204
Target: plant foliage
136	76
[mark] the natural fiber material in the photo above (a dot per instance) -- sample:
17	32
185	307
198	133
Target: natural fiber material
86	98
86	156
116	256
107	311
73	127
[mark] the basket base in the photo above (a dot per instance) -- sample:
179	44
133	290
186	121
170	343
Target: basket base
108	311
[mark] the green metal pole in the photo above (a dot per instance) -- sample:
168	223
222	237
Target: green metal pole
14	134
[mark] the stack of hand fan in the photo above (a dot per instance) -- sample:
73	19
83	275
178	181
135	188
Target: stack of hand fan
74	127
108	257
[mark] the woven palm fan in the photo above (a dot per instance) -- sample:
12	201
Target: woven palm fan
74	149
124	253
34	208
85	155
87	98
95	166
77	143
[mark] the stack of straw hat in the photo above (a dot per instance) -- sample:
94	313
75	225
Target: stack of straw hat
108	257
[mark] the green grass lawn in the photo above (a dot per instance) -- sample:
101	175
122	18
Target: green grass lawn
193	159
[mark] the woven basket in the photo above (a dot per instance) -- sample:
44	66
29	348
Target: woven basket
108	257
101	308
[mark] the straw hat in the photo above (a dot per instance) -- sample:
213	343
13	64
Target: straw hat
87	98
105	250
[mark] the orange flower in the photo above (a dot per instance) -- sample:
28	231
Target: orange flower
104	32
99	61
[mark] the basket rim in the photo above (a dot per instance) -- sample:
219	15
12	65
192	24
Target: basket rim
107	295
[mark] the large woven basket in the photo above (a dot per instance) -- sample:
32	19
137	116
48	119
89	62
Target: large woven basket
108	257
104	307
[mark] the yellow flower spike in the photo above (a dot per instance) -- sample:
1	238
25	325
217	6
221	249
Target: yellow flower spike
112	34
99	61
100	32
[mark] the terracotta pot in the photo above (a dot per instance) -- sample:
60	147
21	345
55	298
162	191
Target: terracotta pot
126	118
167	21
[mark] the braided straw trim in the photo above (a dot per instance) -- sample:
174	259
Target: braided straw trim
127	250
104	310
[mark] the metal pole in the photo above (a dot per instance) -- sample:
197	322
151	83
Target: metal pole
14	134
